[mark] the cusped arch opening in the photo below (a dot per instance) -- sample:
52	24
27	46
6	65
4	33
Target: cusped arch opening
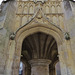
39	45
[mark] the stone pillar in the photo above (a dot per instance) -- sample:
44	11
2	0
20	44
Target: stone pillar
9	63
39	66
52	71
16	61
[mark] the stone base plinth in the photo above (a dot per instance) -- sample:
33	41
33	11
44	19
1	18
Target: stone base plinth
39	66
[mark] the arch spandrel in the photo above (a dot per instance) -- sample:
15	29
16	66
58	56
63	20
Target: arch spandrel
41	23
47	5
48	29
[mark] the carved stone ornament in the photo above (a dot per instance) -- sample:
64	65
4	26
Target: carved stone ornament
12	36
67	36
39	16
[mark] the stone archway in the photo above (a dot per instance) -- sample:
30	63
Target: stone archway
23	33
40	51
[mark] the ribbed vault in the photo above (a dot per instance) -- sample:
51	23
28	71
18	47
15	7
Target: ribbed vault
39	46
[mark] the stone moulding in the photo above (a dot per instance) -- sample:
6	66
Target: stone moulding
40	62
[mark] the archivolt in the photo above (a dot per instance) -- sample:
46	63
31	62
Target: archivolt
28	30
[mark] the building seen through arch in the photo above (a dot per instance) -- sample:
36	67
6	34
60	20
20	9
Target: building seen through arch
37	37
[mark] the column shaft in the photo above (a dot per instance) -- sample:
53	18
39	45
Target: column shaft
40	67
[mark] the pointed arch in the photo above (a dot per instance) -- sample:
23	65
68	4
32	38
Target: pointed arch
53	8
25	10
29	29
47	9
59	9
31	9
24	20
20	9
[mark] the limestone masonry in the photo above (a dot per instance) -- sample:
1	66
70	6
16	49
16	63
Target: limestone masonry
38	33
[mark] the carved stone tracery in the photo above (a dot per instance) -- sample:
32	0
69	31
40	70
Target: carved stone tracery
52	10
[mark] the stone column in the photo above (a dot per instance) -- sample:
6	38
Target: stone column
9	63
39	66
52	71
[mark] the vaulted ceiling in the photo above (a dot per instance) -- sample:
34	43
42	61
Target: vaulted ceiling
40	46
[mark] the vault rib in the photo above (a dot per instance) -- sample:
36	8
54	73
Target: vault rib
49	46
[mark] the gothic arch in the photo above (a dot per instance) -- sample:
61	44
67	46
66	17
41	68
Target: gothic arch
27	30
32	30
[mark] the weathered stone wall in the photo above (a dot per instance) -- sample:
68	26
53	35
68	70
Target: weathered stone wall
7	24
3	39
69	10
15	14
72	29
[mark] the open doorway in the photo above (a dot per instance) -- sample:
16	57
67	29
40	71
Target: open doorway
39	46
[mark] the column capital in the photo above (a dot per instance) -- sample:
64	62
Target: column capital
37	62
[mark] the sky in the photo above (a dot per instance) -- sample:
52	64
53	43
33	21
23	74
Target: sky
1	1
